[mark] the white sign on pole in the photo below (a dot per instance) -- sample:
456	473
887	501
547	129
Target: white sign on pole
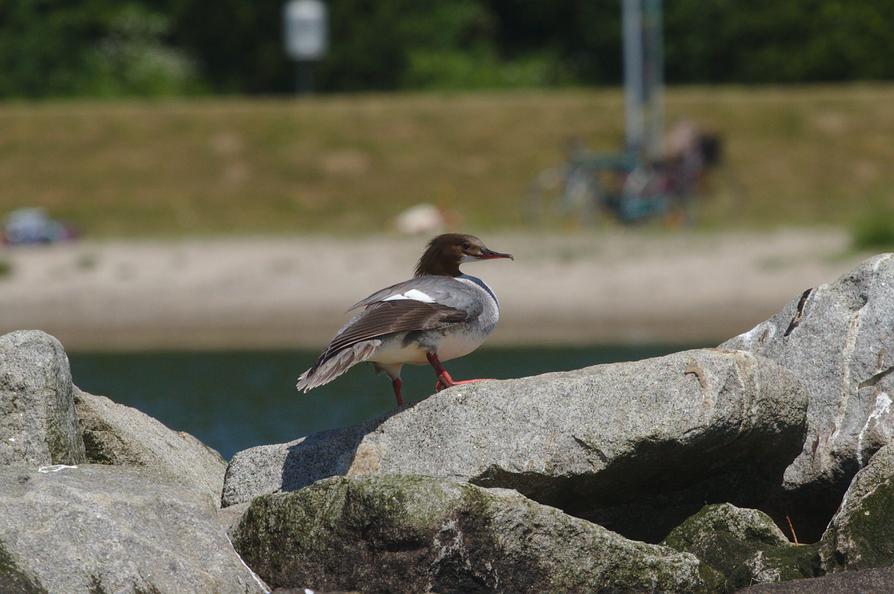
305	29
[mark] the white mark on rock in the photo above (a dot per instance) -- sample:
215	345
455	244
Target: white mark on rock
412	294
12	439
882	407
54	468
847	356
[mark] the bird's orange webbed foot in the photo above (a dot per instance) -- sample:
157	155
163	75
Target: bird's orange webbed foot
445	381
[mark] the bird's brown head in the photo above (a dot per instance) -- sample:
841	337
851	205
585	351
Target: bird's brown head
446	252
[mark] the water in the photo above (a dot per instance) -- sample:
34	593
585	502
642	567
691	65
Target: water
235	400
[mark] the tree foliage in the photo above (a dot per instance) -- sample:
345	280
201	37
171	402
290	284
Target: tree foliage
92	47
144	47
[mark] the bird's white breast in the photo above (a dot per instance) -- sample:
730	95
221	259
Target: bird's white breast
490	313
458	344
451	345
469	336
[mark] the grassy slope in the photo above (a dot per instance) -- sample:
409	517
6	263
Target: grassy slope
794	156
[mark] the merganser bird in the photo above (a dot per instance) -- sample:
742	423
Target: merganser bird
438	315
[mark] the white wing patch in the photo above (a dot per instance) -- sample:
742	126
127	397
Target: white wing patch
413	294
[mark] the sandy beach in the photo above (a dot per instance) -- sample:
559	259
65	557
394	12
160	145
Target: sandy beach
289	292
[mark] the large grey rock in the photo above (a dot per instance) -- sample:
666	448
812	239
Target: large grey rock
692	424
867	581
744	545
420	534
837	339
37	418
109	529
120	435
861	534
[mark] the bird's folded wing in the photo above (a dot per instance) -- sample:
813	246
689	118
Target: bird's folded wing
388	317
442	290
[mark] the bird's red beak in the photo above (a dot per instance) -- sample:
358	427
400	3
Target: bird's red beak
487	254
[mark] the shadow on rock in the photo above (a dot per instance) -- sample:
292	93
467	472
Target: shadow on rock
296	464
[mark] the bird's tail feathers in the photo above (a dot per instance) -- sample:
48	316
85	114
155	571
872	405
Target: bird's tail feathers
333	366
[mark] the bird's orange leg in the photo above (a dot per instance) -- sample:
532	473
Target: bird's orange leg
444	378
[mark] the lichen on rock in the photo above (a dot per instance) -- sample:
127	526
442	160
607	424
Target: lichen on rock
404	533
744	545
13	580
861	534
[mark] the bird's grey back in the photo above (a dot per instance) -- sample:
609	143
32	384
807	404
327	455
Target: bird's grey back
444	290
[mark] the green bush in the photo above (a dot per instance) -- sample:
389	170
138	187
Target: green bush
98	48
132	60
5	268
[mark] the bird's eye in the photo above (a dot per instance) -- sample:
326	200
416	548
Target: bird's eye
466	245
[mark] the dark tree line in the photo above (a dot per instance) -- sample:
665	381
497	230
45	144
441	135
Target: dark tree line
153	47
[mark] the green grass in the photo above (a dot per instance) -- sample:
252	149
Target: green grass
874	230
794	156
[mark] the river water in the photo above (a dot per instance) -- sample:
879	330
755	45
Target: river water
235	400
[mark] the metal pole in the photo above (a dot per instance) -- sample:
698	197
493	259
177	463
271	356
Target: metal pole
654	63
633	73
304	77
